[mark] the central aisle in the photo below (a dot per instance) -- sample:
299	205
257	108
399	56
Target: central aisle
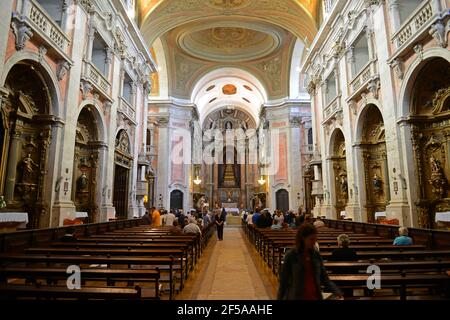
230	270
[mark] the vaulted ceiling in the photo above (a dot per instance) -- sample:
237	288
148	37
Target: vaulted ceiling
200	36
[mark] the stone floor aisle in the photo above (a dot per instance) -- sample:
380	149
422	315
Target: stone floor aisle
230	270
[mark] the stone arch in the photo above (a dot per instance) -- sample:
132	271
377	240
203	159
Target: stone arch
411	75
28	123
428	117
296	63
372	155
98	117
403	113
338	162
162	76
335	131
359	120
89	161
45	71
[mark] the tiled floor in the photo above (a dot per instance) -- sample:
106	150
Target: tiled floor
230	270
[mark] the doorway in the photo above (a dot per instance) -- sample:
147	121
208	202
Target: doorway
120	197
176	199
282	200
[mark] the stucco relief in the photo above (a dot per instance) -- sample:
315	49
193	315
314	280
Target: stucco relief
272	69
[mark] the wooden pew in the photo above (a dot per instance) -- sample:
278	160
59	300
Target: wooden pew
405	280
326	251
178	254
115	243
404	265
192	243
371	247
7	259
107	275
9	292
187	249
195	241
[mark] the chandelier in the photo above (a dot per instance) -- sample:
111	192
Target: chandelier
197	180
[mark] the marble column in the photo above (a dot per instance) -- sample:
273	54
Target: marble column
370	46
395	18
351	61
90	44
11	170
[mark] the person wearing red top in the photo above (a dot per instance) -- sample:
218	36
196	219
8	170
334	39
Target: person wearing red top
310	291
303	274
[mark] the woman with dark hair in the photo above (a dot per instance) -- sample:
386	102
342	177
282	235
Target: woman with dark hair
303	274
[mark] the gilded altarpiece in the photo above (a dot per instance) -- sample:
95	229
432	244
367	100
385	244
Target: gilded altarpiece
86	164
26	132
339	164
373	147
430	134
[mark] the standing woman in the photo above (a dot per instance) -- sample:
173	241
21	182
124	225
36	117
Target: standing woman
303	274
219	223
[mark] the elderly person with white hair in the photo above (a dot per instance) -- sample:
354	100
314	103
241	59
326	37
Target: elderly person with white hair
192	227
403	239
343	253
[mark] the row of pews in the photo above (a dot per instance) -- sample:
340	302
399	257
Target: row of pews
117	260
419	271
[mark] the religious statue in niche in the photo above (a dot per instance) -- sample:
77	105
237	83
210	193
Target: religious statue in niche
438	182
228	125
435	166
377	184
229	195
122	142
82	182
244	125
344	186
28	168
341	181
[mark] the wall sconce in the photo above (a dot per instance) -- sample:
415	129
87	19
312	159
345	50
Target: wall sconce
395	187
261	180
197	180
66	186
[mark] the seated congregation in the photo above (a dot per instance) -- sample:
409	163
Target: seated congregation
318	258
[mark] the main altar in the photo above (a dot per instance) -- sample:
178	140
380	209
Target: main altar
229	180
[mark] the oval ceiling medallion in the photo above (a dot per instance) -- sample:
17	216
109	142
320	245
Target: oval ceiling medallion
228	4
229	89
228	43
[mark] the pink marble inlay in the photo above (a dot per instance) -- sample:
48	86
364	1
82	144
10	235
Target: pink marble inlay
282	160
